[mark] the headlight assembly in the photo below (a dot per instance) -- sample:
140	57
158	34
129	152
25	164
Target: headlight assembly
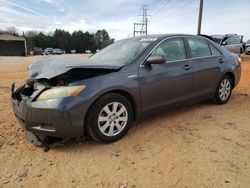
60	92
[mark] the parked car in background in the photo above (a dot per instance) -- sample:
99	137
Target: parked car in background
247	43
38	51
247	47
232	42
247	51
101	96
48	51
57	51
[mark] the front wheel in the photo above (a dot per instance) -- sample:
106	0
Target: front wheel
224	90
109	118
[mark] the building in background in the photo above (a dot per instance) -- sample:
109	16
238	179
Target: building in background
11	45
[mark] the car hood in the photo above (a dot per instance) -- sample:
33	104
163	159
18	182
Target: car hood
50	67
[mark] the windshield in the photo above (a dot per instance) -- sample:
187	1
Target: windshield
123	51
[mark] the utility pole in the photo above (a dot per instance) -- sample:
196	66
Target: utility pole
200	18
141	28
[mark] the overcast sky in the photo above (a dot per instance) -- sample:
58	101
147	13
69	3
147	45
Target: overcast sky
118	16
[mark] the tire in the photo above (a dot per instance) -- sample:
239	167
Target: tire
109	118
224	90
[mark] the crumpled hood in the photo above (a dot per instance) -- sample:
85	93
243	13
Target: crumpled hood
50	67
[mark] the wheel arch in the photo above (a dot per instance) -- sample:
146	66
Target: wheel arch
129	97
231	75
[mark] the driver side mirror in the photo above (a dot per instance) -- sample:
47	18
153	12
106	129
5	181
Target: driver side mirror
156	59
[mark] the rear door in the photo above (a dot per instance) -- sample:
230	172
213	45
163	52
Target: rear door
207	61
168	83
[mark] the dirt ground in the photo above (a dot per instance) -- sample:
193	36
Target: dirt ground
203	145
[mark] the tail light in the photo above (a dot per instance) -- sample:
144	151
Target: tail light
239	59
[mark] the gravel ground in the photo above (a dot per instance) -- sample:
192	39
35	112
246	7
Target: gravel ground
202	145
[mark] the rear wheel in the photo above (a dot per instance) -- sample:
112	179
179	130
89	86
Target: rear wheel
224	90
109	118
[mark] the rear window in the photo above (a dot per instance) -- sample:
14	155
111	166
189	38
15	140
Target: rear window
198	48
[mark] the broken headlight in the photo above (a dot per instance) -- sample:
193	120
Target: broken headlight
60	92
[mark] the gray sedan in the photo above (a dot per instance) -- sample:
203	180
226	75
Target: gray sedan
67	97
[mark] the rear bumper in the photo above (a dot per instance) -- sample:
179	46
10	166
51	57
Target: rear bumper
237	74
57	117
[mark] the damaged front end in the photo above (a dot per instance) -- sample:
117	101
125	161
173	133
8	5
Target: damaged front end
74	75
53	101
49	106
38	131
22	96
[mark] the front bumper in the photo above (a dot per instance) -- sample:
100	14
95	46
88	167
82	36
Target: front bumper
61	118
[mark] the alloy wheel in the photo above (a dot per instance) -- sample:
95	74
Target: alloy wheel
224	89
112	119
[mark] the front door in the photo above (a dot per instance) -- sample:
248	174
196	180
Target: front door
168	83
233	44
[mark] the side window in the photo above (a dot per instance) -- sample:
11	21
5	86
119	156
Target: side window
198	47
233	40
215	51
172	49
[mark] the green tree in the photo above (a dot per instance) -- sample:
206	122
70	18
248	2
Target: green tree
102	39
62	39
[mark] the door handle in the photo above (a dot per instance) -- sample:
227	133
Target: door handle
221	60
187	67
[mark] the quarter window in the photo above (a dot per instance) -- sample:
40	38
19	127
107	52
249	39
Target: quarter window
172	50
198	48
215	51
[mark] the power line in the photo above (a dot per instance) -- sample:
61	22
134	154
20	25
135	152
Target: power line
162	7
154	5
171	6
177	9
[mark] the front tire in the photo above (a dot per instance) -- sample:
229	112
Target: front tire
224	90
109	118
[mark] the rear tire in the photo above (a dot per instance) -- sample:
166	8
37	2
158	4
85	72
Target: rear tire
224	90
109	118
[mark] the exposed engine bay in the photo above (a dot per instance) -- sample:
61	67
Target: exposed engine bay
73	75
62	80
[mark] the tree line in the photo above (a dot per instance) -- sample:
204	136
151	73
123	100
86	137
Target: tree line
78	40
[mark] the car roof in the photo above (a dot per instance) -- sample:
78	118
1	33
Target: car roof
161	36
